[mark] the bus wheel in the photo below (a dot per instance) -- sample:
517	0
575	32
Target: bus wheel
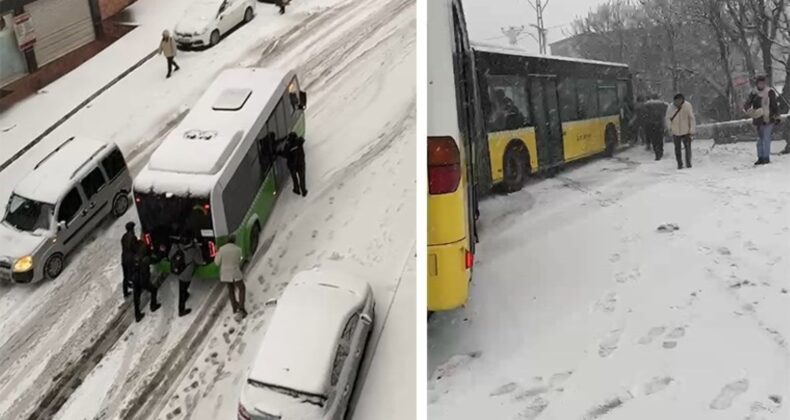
255	236
516	165
611	140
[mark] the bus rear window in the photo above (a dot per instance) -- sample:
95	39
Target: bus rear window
168	219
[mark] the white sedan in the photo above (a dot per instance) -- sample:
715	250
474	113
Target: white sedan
309	358
207	20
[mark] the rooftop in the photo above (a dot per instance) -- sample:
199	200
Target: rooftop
55	174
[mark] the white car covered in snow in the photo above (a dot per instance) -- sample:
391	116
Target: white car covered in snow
308	361
207	20
64	198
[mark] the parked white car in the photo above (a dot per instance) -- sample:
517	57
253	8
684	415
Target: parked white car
308	361
207	20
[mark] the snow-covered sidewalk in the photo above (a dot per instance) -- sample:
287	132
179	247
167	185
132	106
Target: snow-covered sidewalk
581	309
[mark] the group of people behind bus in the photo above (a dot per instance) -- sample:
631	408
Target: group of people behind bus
657	119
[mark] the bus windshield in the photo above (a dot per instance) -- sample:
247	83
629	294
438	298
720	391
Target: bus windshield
166	218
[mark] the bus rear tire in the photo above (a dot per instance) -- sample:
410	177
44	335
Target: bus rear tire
611	140
516	166
255	236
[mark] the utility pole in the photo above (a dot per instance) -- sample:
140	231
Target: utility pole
512	33
540	6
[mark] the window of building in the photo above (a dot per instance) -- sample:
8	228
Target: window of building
508	102
93	183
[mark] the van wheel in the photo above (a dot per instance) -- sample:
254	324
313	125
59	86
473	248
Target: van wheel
611	140
255	236
54	266
120	204
214	40
248	15
516	165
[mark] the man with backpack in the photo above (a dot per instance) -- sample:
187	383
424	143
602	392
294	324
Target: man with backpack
682	126
763	107
183	257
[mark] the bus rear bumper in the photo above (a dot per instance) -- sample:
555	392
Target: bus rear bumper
448	276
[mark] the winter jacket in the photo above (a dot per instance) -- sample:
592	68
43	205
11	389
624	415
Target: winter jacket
683	123
142	265
760	113
128	247
293	151
191	258
228	260
168	47
652	114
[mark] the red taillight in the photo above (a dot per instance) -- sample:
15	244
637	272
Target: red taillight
243	414
470	259
444	165
206	207
147	240
137	199
212	249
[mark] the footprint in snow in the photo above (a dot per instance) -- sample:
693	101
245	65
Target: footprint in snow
728	394
533	410
657	384
652	335
504	389
608	345
608	303
531	392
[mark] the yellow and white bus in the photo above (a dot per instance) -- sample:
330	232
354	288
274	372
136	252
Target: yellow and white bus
496	116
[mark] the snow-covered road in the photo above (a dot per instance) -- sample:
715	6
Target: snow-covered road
580	309
356	60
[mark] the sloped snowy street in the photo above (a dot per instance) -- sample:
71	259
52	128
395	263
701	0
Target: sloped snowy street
581	309
72	345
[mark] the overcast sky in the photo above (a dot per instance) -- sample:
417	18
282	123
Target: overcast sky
485	19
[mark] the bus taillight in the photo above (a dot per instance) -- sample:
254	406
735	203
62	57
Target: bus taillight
470	259
147	240
444	165
212	249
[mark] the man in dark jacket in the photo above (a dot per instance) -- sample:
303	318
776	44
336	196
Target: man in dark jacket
184	257
129	243
654	112
142	280
293	152
763	107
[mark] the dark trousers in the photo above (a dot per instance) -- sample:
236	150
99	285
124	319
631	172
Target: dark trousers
138	287
655	137
171	65
237	303
686	141
128	276
298	178
183	295
281	4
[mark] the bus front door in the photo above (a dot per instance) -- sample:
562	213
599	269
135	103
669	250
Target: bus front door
548	127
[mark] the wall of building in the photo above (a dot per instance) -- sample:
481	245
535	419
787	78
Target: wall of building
110	8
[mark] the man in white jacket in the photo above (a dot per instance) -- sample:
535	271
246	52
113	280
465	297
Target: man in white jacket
228	260
682	125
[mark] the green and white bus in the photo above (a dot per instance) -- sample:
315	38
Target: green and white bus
217	172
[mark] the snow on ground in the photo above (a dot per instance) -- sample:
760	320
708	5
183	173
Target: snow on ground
356	61
580	309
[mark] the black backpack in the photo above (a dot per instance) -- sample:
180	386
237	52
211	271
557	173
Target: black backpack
178	262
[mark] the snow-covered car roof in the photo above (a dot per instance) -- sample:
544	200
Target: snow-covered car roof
515	51
192	156
299	347
56	174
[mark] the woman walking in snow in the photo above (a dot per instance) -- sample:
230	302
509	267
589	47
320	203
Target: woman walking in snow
168	47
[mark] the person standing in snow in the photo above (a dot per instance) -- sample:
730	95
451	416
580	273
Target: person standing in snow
183	257
129	243
142	280
653	112
281	4
763	107
228	260
167	47
682	126
293	152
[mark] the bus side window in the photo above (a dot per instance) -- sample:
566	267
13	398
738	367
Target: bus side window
283	117
588	99
242	188
266	150
509	104
569	110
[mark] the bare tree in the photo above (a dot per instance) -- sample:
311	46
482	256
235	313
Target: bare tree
766	18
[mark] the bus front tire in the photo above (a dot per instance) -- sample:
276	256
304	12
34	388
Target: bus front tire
516	166
611	140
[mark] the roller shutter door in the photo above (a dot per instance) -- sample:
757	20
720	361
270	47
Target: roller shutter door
61	27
